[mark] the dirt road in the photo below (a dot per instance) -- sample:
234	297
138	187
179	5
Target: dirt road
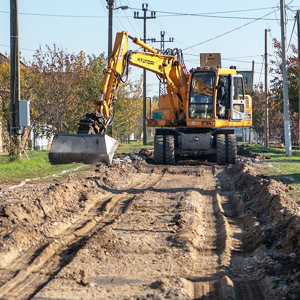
141	231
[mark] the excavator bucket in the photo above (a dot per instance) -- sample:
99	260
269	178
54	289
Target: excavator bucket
84	148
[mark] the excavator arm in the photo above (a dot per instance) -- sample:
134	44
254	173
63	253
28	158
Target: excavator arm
91	145
167	67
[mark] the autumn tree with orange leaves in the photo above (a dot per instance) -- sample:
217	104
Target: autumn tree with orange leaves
276	118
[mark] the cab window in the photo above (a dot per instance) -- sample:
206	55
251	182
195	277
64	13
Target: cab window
238	88
201	95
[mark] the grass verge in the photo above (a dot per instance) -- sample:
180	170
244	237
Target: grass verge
134	146
37	167
280	167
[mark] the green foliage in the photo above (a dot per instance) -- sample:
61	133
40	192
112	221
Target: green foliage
94	78
135	146
129	111
274	154
257	110
12	143
57	84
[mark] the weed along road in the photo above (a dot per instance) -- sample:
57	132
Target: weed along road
144	231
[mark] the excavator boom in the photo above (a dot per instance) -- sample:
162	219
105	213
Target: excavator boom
91	145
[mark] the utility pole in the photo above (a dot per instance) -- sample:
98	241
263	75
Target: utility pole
162	86
266	92
110	6
287	126
250	128
14	78
136	16
298	23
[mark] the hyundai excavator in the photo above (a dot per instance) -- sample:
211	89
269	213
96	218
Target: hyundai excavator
196	117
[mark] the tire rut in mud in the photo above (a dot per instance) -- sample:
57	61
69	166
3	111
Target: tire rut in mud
31	272
177	232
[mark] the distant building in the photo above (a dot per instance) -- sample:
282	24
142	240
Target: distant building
247	75
3	59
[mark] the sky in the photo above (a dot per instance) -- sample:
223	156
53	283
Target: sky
234	28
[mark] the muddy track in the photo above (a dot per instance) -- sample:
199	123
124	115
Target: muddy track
103	210
180	232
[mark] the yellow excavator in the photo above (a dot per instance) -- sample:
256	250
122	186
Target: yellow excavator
196	117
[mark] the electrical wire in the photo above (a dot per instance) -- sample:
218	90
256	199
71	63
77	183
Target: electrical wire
291	35
262	64
54	15
25	49
220	17
230	31
222	12
128	19
168	33
209	15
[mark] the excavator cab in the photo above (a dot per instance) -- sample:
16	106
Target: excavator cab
202	96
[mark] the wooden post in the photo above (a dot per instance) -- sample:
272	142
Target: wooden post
14	78
298	23
266	92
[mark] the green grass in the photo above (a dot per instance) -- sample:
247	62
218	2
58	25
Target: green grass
280	167
134	146
38	166
274	154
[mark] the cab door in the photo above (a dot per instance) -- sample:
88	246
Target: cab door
237	98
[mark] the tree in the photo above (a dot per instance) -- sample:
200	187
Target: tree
93	80
5	102
62	87
57	84
276	99
129	107
257	109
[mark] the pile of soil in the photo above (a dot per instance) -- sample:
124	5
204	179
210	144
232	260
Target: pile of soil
277	228
245	151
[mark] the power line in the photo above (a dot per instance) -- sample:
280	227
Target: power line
26	49
171	14
225	33
291	35
129	21
262	64
219	17
221	12
56	15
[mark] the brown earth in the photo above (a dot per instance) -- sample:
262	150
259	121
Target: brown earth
140	231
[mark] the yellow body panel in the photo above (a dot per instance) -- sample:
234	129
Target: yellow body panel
213	122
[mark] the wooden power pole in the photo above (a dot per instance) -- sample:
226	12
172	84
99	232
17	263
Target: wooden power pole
250	128
298	23
266	92
286	105
14	78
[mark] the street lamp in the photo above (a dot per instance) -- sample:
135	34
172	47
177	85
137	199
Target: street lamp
110	6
